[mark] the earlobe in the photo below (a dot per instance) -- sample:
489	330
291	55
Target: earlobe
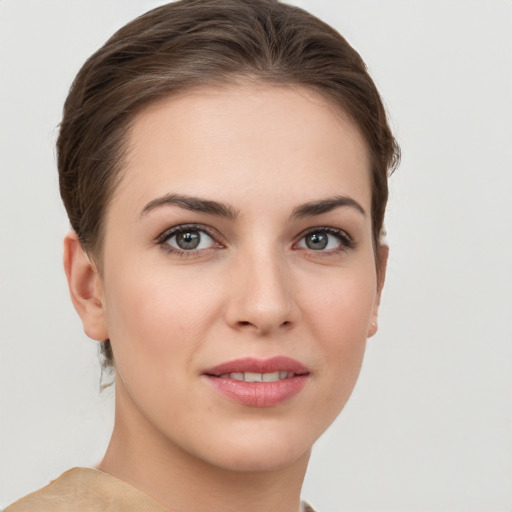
86	288
381	276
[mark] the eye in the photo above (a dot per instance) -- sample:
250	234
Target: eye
186	239
326	240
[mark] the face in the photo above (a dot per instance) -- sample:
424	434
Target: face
239	282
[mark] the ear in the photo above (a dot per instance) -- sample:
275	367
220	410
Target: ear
86	288
381	276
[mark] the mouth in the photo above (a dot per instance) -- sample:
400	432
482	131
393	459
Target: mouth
259	382
259	377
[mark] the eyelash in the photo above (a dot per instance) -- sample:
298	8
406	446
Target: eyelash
345	240
163	239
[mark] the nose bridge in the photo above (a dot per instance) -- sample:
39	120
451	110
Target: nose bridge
264	299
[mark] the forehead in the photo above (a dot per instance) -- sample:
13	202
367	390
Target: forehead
245	139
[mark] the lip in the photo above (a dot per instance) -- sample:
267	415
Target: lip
251	364
258	394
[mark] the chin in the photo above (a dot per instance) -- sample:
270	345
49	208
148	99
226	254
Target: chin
268	459
260	448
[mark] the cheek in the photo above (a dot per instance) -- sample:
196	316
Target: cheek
339	319
159	316
342	304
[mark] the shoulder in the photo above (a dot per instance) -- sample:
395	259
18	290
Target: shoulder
87	489
83	490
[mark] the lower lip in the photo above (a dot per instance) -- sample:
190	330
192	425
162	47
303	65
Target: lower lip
259	394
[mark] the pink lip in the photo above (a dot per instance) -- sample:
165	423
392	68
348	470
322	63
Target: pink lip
250	364
258	394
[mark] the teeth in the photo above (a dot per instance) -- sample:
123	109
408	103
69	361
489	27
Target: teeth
253	377
270	377
258	377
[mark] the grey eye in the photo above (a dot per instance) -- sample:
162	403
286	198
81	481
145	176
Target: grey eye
316	241
190	240
324	240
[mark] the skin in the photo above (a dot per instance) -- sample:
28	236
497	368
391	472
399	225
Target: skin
254	289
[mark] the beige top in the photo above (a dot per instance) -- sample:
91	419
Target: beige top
90	490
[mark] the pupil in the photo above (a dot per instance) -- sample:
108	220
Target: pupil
316	241
188	240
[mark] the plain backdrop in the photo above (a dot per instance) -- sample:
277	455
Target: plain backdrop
429	426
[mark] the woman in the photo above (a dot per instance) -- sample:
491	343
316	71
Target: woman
224	168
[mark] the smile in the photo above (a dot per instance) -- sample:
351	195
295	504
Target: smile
259	382
259	377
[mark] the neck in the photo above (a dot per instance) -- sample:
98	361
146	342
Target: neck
180	481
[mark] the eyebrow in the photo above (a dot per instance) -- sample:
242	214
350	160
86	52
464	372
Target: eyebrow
194	204
197	204
325	205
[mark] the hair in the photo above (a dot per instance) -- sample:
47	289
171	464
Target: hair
197	43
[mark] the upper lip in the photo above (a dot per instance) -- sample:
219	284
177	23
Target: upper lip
250	364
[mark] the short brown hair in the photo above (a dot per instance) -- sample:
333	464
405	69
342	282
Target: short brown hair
192	43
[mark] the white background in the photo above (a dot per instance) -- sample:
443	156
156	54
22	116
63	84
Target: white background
429	427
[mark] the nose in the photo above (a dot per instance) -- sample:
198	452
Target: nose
262	299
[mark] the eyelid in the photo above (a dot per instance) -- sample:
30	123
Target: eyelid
180	228
346	241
